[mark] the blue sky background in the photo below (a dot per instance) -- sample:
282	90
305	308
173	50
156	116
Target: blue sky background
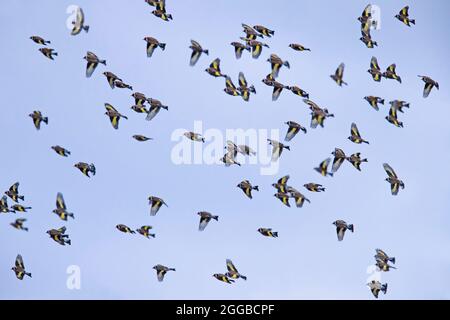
306	261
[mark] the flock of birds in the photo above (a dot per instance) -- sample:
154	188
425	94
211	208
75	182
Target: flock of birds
150	107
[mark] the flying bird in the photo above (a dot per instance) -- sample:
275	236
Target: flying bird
18	224
125	229
429	84
61	208
298	47
152	44
194	136
13	193
20	208
276	63
144	230
391	74
250	33
318	115
375	70
244	89
214	69
300	92
314	187
233	273
403	16
139	98
161	271
223	278
122	85
268	232
111	78
338	75
114	115
155	204
197	51
277	86
155	107
277	148
298	196
38	118
141	138
40	40
230	88
381	255
59	236
383	265
393	180
374	101
61	151
19	268
205	218
256	46
341	227
85	168
78	23
392	118
4	208
355	136
376	286
92	63
323	168
399	105
293	129
355	160
247	187
264	31
339	158
239	48
48	52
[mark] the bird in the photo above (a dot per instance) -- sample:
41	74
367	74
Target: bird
59	236
355	136
323	168
355	160
141	138
381	255
230	88
283	197
161	271
61	151
374	101
391	74
376	286
276	63
223	278
239	48
393	180
205	218
338	75
293	129
19	208
61	208
281	184
341	227
111	78
38	118
403	16
268	232
78	23
318	115
244	89
366	18
197	51
367	39
383	265
85	168
48	52
144	230
399	104
233	273
40	40
4	208
162	14
247	187
92	63
155	204
194	136
264	31
392	118
298	197
250	33
256	47
155	107
160	11
298	47
277	86
429	84
114	115
375	70
152	44
300	92
13	193
122	85
277	148
229	159
245	150
314	187
125	229
139	98
339	157
18	224
19	268
214	69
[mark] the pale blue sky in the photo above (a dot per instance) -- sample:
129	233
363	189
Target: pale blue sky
306	261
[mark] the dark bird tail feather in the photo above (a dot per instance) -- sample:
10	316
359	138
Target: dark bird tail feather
162	46
45	119
351	228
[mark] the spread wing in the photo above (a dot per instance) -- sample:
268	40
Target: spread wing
390	172
60	204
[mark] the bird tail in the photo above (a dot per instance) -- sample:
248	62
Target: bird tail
399	79
203	140
384	288
286	64
45	119
271	32
152	235
392	260
256	188
172	269
132	231
26	229
69	242
243	277
252	89
28	274
55	53
287	147
23	199
382	101
169	16
330	174
215	218
103	62
413	21
351	228
71	215
67	151
364	160
275	234
206	52
162	46
47	42
86	28
365	141
92	168
165	107
248	48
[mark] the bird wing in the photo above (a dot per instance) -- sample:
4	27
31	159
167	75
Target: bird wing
374	63
291	133
229	83
150	48
427	89
367	11
391	68
109	107
194	57
156	204
390	172
203	223
90	68
19	262
276	93
60	204
340	71
14	188
340	233
354	130
215	64
160	274
404	11
231	267
152	112
276	152
196	44
256	51
242	80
